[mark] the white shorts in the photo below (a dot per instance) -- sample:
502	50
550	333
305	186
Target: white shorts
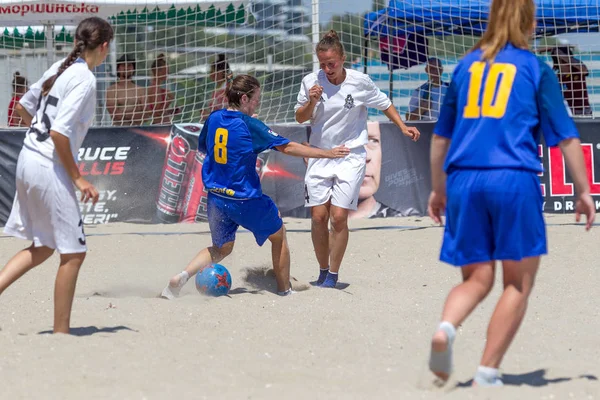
335	179
45	209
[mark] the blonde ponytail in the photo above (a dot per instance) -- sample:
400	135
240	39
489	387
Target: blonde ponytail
510	21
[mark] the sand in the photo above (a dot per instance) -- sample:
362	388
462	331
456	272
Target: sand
368	340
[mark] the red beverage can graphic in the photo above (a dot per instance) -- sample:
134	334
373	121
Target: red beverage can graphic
196	196
176	172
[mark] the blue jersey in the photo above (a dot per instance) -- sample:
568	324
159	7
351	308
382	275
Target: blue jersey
494	113
231	141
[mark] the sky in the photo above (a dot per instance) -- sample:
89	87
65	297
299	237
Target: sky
329	8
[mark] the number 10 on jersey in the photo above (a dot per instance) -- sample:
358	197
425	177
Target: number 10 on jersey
494	98
220	149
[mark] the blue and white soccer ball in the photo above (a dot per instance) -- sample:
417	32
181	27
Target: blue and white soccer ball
214	280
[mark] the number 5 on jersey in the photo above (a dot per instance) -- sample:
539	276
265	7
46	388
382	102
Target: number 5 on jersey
495	94
220	149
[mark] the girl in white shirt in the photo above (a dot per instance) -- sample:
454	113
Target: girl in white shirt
59	109
335	100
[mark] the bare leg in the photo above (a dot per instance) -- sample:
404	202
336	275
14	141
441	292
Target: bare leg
206	257
478	280
339	225
64	290
22	262
510	310
280	252
320	234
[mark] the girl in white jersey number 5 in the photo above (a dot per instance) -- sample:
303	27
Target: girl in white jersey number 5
59	109
335	100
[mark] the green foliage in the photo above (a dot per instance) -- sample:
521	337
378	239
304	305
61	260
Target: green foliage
211	17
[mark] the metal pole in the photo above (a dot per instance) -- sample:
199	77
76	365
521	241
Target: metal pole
49	44
365	53
315	33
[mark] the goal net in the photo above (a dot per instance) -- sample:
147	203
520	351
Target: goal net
161	68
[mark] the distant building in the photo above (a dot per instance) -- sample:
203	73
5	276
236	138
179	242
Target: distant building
290	16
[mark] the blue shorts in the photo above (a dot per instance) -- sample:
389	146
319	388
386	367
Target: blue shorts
260	216
493	215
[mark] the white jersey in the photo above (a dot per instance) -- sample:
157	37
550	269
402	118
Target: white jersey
340	117
68	109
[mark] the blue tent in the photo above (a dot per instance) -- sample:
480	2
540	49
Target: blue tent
469	17
414	20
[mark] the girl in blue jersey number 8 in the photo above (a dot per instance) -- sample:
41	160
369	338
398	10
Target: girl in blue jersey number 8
232	140
486	142
59	109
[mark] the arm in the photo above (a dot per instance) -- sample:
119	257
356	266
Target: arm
68	115
437	198
375	98
304	113
300	150
439	150
263	138
440	145
63	149
62	144
307	102
571	149
559	129
25	116
393	115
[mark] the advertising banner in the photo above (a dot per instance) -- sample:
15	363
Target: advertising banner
124	164
153	174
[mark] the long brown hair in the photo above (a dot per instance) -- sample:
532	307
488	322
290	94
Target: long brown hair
90	33
510	21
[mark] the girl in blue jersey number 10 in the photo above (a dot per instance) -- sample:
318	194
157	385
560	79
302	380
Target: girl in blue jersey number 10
486	141
232	140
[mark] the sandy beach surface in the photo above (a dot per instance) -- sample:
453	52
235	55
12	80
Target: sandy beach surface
367	340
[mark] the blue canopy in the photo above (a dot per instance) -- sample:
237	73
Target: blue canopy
469	17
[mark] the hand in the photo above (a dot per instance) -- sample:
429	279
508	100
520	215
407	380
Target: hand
88	191
339	152
315	93
436	206
412	132
585	205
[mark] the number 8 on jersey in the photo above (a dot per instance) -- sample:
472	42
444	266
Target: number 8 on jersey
220	149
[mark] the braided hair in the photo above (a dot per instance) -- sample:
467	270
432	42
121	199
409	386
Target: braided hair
91	33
